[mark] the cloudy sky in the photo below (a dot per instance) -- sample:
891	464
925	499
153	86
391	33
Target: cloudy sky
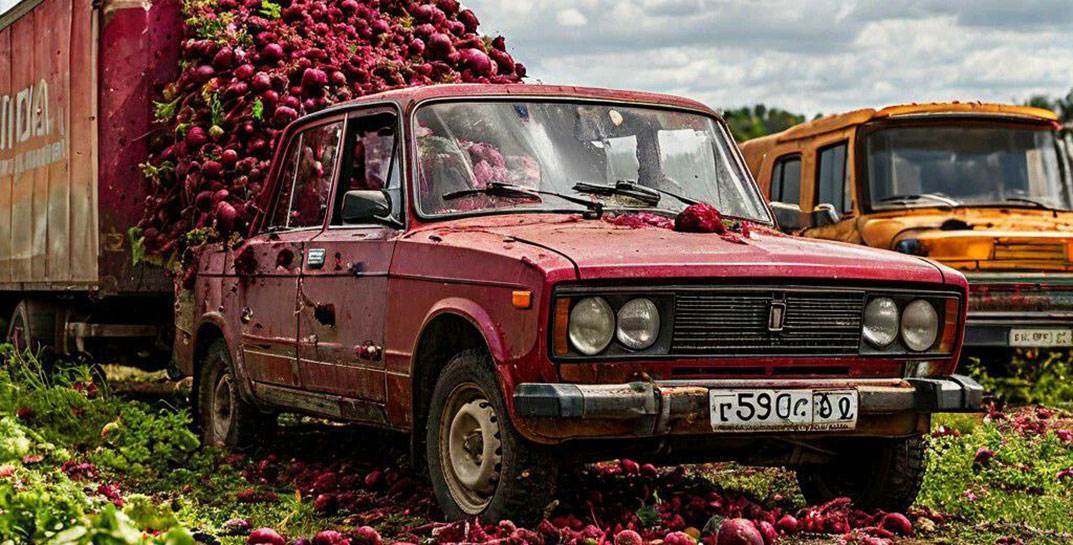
803	55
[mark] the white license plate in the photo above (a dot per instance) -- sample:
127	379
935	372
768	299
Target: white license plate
1041	337
783	410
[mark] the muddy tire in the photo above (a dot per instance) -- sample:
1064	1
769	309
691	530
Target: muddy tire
885	474
478	463
225	419
32	328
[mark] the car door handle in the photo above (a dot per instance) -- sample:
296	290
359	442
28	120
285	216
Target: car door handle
315	258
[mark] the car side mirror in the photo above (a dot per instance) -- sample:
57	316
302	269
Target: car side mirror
789	217
365	206
825	214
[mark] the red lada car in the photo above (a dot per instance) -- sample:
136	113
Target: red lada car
490	269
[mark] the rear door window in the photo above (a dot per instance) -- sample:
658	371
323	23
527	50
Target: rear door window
786	180
831	179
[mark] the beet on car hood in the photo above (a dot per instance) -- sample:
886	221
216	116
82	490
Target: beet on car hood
599	250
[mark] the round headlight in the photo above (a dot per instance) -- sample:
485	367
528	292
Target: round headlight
920	325
638	323
592	324
881	322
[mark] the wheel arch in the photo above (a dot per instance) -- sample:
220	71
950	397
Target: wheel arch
210	329
450	328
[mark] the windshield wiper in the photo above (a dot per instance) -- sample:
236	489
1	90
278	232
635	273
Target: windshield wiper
629	188
645	195
500	189
1026	200
920	196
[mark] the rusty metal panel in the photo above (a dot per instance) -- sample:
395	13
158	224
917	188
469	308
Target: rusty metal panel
81	121
6	203
65	203
37	169
139	48
52	22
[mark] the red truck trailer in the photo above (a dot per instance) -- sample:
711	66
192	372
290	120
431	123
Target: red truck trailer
77	81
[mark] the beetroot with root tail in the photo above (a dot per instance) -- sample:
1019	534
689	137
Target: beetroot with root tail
365	535
739	532
896	523
768	532
787	525
265	536
628	537
330	537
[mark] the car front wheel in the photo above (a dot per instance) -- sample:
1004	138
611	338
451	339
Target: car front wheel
879	474
478	464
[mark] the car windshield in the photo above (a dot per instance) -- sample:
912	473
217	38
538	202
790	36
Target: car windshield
499	156
967	165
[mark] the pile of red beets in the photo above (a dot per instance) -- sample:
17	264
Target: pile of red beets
622	503
250	67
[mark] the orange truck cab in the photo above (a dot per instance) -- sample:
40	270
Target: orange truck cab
983	188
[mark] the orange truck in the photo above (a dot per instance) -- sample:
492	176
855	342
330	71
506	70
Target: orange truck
983	188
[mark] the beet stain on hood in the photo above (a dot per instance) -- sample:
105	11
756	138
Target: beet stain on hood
602	250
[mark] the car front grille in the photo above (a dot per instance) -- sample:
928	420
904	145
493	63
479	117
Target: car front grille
728	323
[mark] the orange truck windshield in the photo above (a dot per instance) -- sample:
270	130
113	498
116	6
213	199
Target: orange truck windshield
969	165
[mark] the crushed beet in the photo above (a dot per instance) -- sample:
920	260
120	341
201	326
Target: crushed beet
699	218
250	67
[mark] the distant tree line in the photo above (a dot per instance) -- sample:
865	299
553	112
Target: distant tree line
750	122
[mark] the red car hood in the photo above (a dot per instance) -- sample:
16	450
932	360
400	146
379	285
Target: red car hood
599	249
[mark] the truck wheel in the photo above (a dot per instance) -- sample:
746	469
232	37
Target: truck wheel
883	475
225	419
478	464
31	329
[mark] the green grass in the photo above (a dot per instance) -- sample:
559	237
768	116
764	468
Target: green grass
147	450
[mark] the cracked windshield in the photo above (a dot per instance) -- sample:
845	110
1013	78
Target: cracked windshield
499	157
966	166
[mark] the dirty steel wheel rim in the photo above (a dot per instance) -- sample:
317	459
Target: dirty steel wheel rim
222	408
470	448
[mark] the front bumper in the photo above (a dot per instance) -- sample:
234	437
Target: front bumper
649	409
1001	302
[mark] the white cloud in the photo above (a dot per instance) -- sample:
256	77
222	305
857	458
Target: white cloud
571	17
806	55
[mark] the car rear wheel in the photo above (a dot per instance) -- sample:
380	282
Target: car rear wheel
225	419
478	463
884	474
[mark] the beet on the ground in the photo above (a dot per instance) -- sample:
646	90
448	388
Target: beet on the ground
253	66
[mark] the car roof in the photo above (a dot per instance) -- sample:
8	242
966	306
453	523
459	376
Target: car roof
915	110
410	96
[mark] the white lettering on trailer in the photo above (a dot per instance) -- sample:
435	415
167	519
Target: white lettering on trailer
26	116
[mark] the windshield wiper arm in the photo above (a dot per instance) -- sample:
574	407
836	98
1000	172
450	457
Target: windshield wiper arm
921	196
645	195
1026	200
630	184
500	189
629	188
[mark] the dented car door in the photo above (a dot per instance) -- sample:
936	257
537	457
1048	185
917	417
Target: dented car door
343	292
271	262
